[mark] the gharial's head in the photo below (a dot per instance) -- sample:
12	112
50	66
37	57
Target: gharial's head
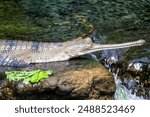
79	44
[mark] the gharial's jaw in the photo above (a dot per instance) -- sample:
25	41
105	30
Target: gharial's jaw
98	47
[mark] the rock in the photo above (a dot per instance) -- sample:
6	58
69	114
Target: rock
80	79
2	75
6	91
135	76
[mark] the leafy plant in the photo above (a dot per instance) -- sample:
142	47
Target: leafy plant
28	76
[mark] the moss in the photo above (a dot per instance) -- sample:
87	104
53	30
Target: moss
13	22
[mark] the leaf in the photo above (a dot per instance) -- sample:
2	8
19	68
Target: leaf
28	76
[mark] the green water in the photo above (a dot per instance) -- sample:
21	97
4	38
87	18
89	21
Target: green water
14	24
62	20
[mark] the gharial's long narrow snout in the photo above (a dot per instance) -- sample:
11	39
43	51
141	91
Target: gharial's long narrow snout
98	47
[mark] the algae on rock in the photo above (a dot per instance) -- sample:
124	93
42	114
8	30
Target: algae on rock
14	24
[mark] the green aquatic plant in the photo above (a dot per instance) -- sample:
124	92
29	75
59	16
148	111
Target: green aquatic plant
28	76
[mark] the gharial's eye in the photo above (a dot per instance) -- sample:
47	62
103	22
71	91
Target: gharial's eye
89	44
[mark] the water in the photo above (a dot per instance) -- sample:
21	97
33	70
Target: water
122	93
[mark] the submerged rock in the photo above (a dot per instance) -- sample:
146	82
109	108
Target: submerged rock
77	79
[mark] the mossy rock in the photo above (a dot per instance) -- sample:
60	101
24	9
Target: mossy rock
78	79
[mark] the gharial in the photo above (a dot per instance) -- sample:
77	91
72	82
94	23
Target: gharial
22	53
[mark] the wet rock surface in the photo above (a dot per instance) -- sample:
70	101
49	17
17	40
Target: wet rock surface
75	79
134	74
137	78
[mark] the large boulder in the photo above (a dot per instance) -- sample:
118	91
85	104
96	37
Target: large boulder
75	79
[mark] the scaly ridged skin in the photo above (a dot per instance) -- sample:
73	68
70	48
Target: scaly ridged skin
22	53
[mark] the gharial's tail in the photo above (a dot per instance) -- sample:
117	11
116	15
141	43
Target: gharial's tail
98	47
